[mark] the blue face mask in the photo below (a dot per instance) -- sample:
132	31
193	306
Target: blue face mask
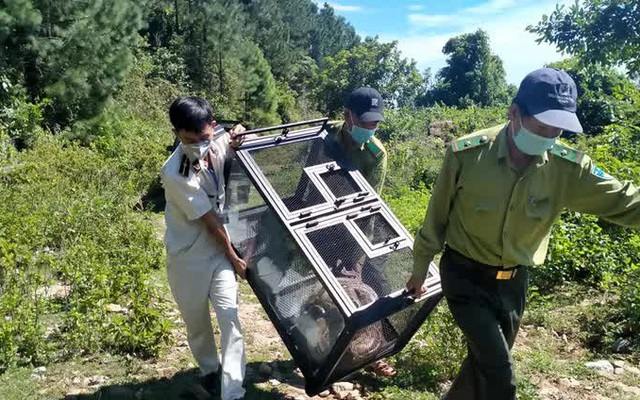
361	135
530	143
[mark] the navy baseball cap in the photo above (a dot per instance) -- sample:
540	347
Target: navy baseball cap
366	103
550	95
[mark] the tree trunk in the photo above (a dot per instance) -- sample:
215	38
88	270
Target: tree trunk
220	72
176	12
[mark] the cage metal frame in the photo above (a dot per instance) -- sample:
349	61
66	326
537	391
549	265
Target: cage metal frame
334	210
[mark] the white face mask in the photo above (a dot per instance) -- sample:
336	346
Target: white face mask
196	151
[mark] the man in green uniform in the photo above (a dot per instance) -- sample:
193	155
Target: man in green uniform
492	208
355	135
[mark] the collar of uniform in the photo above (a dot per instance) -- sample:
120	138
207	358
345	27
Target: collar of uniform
341	138
503	148
543	159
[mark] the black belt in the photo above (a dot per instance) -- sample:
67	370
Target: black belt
488	270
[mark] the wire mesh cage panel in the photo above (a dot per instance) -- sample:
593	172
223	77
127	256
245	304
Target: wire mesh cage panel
326	257
340	183
376	228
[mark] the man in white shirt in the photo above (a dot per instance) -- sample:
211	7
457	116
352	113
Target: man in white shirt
201	263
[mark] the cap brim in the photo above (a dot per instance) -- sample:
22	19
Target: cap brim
564	120
371	116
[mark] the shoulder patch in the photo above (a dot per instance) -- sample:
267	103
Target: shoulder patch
375	148
569	154
184	166
597	171
469	143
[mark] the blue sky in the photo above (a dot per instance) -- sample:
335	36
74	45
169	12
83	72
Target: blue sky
422	27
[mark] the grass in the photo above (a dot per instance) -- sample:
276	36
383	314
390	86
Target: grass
549	356
15	384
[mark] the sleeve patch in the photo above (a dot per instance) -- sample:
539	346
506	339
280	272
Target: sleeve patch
597	171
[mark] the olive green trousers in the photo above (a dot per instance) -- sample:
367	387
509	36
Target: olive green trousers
488	311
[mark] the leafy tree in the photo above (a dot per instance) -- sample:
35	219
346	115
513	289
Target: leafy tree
287	107
301	18
331	34
200	45
270	32
605	96
373	64
75	53
473	74
259	88
19	25
165	18
210	39
282	29
605	31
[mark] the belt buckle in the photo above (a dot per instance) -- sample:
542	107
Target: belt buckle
506	274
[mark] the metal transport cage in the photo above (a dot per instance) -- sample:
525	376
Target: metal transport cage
326	258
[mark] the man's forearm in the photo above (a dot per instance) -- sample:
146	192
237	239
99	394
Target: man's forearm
216	229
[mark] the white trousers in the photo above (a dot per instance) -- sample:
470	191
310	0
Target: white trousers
193	285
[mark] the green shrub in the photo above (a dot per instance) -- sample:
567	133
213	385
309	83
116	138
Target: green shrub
468	120
415	140
413	163
409	206
629	304
436	351
20	119
67	213
433	355
21	308
585	249
591	251
407	123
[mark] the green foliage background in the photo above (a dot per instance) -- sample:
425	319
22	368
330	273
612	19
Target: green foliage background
84	91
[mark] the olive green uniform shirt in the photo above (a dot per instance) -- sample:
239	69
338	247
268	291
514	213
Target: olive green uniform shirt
370	158
486	209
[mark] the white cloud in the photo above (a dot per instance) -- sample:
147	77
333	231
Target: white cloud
509	39
425	49
430	20
462	16
339	7
491	7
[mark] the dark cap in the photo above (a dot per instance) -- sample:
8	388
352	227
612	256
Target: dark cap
366	104
550	95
